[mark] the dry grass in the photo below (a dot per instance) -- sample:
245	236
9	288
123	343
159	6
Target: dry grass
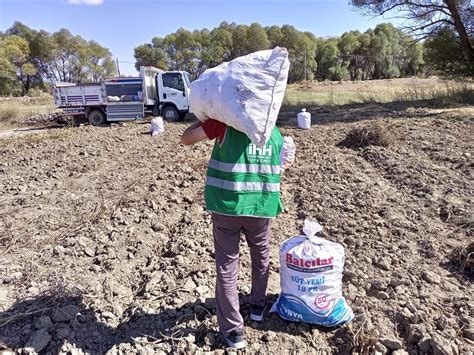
14	110
463	257
360	137
363	337
439	91
443	94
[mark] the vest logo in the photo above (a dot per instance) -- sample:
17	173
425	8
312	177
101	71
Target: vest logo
266	150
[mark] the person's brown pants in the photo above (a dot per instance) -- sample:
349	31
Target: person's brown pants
226	230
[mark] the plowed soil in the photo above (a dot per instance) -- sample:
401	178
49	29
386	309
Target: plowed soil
106	246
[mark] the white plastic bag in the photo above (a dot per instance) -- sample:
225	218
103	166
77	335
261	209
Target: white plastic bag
311	280
245	93
288	151
304	119
157	126
113	98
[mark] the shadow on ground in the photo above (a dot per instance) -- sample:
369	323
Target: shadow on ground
46	323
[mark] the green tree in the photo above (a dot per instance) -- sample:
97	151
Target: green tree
8	79
275	36
15	52
327	56
426	18
37	48
239	40
148	55
216	48
96	61
349	51
221	46
182	50
411	62
338	72
257	39
301	51
38	57
444	55
64	55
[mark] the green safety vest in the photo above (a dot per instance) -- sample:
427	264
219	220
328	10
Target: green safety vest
242	179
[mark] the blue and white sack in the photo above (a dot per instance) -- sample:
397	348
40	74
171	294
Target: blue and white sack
311	280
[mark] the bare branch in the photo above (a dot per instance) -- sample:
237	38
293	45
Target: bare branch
428	34
430	6
417	15
420	28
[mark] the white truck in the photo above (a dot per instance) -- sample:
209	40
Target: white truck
154	92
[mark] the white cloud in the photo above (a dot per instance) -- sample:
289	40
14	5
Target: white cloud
85	2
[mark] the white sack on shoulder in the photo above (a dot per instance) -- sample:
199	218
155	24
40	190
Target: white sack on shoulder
245	93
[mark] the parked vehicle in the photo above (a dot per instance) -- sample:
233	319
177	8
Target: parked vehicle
155	92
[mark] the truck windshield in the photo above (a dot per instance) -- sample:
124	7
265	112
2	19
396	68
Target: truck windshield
173	81
187	78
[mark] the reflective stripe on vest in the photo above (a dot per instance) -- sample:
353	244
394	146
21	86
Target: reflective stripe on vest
243	186
244	168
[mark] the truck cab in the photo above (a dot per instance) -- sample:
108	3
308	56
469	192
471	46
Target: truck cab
173	94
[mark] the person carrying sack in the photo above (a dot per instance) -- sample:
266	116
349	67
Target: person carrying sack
243	194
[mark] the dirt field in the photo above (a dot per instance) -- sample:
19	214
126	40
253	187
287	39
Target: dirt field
105	245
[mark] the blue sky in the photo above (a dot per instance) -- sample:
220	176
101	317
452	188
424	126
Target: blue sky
121	25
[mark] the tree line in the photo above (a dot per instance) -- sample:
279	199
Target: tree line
31	59
384	52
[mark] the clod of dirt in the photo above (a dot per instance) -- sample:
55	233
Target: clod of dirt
38	341
65	313
360	137
431	277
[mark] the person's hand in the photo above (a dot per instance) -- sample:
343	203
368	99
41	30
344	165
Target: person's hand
288	164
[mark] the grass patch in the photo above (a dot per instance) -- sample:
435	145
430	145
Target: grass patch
334	93
8	114
14	110
447	93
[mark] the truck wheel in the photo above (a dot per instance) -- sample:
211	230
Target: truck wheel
96	118
170	114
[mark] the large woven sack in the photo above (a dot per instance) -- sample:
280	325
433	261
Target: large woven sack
245	93
311	280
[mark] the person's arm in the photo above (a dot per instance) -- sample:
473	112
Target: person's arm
193	134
